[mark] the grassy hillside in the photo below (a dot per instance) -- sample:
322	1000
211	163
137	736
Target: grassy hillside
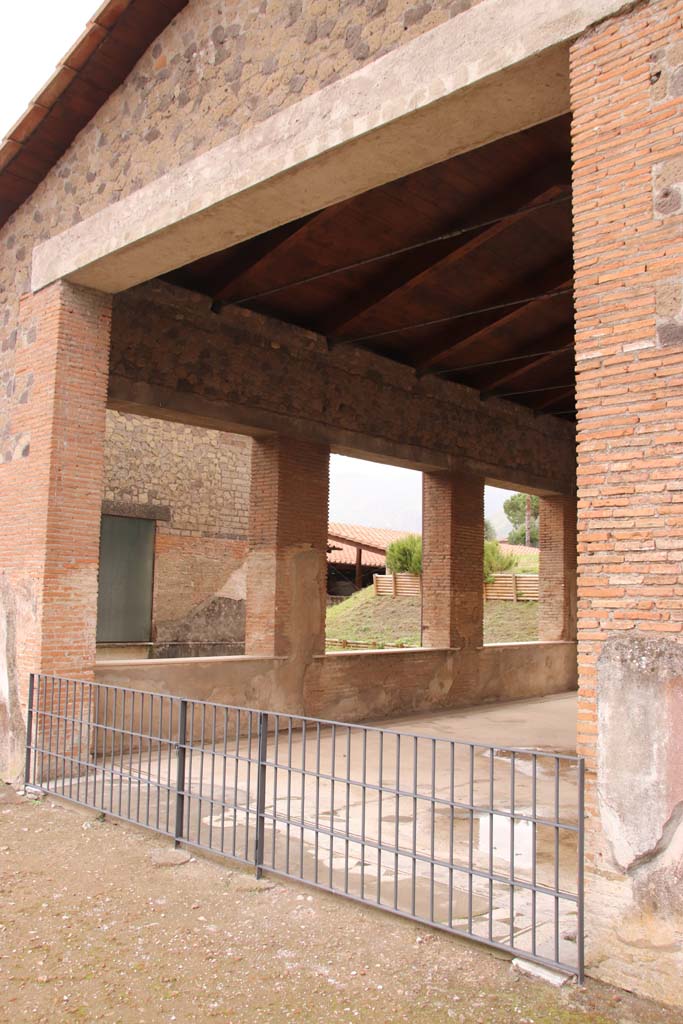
396	620
527	562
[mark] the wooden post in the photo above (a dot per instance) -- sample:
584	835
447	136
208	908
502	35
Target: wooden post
375	583
359	568
393	584
514	587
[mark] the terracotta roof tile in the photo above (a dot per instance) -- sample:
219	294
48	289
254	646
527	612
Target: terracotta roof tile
374	536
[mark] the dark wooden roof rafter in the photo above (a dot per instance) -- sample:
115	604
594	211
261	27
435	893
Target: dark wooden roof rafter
553	282
535	363
526	301
463	270
520	199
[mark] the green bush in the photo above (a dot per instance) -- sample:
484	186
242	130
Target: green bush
495	559
518	535
405	555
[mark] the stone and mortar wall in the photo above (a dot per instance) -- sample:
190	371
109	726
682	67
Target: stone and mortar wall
217	70
627	99
172	356
195	483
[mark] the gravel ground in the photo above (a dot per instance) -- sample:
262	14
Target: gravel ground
102	922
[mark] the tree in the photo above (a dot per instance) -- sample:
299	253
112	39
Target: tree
518	535
405	555
515	508
489	531
495	559
523	510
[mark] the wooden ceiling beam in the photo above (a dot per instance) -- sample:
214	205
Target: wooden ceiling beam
554	279
547	405
226	283
514	376
518	198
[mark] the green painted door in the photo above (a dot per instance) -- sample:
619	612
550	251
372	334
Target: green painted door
124	604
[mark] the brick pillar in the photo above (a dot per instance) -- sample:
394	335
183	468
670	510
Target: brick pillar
287	564
51	494
627	105
557	569
452	560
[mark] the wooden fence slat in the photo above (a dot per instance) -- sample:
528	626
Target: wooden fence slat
399	585
504	586
508	586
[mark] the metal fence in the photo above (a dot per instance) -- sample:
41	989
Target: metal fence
474	839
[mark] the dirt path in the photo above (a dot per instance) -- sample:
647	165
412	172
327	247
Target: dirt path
101	922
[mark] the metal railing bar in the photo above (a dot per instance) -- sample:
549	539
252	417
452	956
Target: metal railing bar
482	809
570	969
580	880
397	809
383	847
354	725
118	726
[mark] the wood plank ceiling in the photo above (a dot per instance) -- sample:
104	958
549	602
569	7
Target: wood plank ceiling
462	270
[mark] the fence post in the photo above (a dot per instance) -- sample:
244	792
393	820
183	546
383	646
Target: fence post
29	731
261	791
580	907
393	585
514	586
180	773
375	584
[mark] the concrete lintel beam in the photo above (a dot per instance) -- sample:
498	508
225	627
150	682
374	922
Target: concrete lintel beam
491	71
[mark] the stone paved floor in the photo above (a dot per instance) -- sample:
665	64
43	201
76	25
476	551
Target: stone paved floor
415	816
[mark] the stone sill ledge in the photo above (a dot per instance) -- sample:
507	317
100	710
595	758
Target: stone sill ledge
444	650
218	659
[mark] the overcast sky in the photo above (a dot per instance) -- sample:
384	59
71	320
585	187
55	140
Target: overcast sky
34	35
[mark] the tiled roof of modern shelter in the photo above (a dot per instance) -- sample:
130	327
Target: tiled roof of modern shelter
375	537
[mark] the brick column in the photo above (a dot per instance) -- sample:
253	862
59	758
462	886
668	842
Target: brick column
557	569
287	563
51	492
627	105
452	560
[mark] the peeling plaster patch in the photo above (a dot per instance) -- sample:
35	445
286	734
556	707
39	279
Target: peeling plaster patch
640	782
220	618
16	609
235	587
658	881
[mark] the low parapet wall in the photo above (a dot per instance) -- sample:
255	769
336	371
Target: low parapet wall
359	685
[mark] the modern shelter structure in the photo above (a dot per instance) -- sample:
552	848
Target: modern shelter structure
446	236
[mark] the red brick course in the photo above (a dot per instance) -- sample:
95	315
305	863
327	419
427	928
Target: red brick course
287	566
52	493
627	118
627	107
453	561
557	569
